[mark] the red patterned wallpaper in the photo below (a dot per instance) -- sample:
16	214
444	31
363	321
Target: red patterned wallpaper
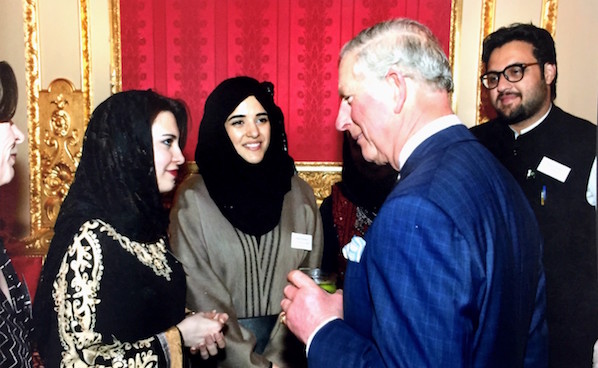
184	48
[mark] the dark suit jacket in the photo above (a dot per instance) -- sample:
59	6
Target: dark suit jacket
451	275
567	223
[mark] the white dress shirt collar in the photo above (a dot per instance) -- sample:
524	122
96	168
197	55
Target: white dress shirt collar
424	133
525	130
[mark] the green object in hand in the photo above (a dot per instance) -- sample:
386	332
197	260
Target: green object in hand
326	280
329	287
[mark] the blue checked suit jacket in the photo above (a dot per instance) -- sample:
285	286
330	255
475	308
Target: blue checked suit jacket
451	275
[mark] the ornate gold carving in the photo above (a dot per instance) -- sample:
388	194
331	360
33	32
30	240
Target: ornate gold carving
320	176
32	65
57	119
455	36
487	26
115	51
61	126
85	58
549	12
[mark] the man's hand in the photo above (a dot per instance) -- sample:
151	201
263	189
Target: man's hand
306	305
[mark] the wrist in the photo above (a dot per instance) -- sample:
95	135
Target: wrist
180	334
315	331
177	328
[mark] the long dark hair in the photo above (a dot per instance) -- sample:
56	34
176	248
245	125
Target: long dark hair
250	196
9	92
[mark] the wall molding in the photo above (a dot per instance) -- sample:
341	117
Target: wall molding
57	119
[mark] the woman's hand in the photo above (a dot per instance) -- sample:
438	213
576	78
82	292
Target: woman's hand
203	332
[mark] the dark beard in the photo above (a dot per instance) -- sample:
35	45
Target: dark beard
516	116
526	109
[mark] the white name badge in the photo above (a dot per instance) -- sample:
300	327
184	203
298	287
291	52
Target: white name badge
554	169
301	241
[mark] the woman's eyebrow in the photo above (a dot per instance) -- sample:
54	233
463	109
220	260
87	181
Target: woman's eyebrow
235	116
169	135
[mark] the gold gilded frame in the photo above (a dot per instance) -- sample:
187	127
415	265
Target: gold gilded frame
455	35
549	13
115	50
57	118
486	27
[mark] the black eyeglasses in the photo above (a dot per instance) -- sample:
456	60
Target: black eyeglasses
512	73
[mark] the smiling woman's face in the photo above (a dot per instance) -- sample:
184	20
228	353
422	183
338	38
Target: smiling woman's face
248	128
10	136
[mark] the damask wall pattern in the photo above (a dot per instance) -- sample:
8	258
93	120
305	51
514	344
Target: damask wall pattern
184	48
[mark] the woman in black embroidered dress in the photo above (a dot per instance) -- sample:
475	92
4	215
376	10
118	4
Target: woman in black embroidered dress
15	305
111	293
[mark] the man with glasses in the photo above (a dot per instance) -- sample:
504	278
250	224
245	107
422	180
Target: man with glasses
550	153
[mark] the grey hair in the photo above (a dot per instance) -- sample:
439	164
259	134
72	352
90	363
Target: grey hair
404	43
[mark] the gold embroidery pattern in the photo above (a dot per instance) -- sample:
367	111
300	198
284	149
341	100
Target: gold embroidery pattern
75	294
152	255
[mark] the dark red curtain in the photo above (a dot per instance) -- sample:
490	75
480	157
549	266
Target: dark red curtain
184	48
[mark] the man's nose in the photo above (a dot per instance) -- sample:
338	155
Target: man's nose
343	119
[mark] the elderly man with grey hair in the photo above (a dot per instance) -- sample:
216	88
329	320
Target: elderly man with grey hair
450	272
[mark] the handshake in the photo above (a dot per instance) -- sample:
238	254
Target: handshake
202	332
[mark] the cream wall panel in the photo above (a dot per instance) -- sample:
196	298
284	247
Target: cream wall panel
59	37
466	70
100	50
526	11
577	57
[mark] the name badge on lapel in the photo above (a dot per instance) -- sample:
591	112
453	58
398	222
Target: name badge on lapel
301	241
554	169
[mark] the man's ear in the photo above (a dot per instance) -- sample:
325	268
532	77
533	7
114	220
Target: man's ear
549	72
399	87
